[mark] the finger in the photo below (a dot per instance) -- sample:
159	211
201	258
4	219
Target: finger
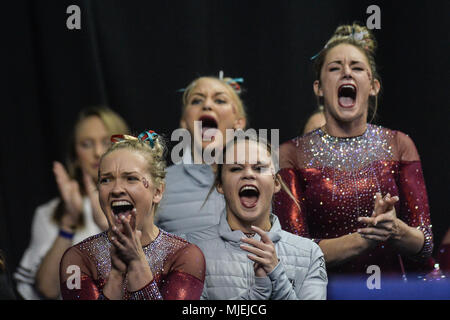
256	243
119	236
134	216
60	171
264	236
261	261
389	216
374	231
378	206
118	246
373	237
256	251
367	220
127	228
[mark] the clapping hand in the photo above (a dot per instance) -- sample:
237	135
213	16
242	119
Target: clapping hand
70	195
264	253
382	225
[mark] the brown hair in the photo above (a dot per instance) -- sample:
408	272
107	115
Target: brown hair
113	122
363	39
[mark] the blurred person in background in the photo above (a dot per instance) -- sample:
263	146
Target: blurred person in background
75	214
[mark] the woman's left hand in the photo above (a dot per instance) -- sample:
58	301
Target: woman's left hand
128	243
383	225
264	253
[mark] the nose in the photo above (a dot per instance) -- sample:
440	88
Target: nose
207	106
117	189
347	71
99	149
249	174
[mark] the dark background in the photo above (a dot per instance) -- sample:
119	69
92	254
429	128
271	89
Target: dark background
135	55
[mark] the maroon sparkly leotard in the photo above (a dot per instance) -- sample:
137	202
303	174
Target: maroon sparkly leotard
335	181
178	269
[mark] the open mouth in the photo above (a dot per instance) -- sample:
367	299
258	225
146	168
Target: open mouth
347	95
122	207
208	122
249	196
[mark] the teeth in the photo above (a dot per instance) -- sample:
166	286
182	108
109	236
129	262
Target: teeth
249	188
120	203
348	86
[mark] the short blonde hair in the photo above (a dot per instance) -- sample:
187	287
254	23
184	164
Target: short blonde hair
235	96
154	156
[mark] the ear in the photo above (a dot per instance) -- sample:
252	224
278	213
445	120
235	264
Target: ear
219	189
317	88
376	85
158	193
240	123
277	183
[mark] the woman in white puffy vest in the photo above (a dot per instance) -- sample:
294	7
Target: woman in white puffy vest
247	254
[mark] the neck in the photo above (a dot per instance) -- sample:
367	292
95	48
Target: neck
149	231
245	226
342	129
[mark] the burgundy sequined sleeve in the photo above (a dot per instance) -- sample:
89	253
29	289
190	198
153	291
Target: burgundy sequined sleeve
77	282
292	216
186	276
414	208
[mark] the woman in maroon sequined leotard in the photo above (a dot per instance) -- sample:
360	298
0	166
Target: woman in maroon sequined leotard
335	171
133	259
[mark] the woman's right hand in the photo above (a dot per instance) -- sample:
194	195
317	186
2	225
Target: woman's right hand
71	196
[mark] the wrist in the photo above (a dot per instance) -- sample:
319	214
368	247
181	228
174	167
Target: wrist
399	230
363	244
137	266
66	233
139	275
116	275
67	224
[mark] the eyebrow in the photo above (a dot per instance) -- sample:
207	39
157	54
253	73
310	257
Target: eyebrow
123	173
257	163
130	172
340	62
204	96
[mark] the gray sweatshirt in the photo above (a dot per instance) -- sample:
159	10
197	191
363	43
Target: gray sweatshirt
299	275
180	210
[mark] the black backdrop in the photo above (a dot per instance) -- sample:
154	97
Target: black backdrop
134	55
